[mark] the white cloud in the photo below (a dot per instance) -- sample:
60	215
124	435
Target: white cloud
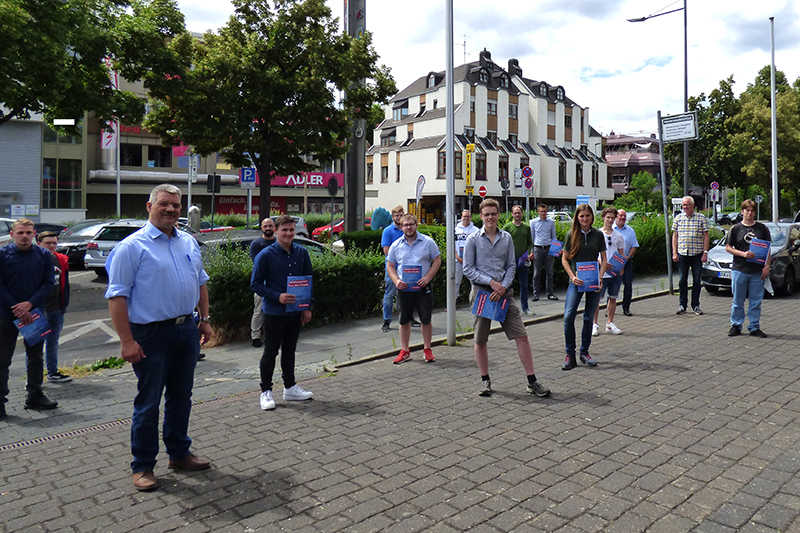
624	72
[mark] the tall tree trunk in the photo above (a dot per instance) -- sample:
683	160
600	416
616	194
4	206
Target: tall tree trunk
264	168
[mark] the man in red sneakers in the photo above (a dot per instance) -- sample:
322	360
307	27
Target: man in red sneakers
412	262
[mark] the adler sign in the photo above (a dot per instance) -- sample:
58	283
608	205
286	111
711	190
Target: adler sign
314	179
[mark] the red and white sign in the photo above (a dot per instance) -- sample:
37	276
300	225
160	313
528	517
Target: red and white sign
237	205
108	139
482	191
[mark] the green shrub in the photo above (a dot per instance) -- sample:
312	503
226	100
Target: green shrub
347	286
229	294
366	240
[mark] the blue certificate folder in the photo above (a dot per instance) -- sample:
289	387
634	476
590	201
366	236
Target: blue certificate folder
589	273
760	247
555	248
36	331
616	263
411	274
301	287
486	308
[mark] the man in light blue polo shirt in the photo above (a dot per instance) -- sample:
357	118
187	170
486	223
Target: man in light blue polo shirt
631	245
155	281
412	262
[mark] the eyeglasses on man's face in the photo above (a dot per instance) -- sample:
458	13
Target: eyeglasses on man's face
409	224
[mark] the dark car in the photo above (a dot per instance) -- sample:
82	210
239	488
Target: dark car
242	238
73	240
41	227
107	238
785	257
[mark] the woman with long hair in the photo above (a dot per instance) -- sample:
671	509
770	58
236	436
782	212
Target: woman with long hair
582	244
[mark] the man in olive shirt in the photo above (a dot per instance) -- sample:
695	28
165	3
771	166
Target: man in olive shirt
523	246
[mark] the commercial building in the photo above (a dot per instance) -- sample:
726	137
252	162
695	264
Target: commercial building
513	122
627	155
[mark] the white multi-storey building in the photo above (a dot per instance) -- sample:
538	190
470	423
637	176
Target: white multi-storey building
513	122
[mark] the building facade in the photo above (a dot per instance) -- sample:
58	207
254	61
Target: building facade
627	155
512	121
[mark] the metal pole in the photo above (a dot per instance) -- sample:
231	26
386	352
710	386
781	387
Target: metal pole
685	100
119	186
664	202
189	182
450	175
774	123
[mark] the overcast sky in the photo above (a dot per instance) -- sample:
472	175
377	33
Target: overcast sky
623	72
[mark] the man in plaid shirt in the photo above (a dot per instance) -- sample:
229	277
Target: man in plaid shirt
689	249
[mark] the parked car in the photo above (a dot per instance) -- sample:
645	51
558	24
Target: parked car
5	230
559	216
110	234
41	227
338	227
785	257
728	218
73	240
242	239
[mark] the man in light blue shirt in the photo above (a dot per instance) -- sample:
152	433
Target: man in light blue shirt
543	232
412	262
155	281
631	245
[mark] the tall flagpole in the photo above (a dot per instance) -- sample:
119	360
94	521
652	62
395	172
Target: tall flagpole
450	175
775	190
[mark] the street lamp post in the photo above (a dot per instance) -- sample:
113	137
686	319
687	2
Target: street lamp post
685	86
596	179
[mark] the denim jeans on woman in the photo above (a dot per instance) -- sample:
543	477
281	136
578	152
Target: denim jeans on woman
570	310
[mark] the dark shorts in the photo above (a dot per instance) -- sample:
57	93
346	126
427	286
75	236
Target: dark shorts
422	300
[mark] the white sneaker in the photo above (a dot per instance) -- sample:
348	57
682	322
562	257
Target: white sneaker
595	330
267	403
296	394
612	328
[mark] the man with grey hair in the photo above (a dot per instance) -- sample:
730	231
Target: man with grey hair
689	250
155	281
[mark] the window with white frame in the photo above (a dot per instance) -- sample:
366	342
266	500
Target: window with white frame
491	107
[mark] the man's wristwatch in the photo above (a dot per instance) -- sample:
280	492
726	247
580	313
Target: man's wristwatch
205	319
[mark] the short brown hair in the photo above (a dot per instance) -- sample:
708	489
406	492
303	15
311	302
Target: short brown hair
45	234
608	210
542	205
409	216
284	219
748	204
22	222
398	209
489	202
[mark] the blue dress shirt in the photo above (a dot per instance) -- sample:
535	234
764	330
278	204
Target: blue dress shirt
159	276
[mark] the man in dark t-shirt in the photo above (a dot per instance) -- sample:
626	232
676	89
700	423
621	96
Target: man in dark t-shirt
747	275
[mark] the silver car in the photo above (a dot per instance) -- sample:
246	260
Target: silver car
785	257
107	238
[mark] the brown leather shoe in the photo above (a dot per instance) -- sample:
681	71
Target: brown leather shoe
190	463
145	481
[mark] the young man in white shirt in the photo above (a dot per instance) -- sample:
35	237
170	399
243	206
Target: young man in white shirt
615	243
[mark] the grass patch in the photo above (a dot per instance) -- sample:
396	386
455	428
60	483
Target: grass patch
79	371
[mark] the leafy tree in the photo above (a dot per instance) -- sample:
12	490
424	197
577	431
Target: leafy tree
263	90
711	157
642	195
752	139
52	55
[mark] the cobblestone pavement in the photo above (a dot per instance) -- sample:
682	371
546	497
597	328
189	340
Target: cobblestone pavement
678	428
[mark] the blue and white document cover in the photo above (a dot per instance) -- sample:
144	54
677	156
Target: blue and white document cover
411	275
760	247
589	273
555	248
486	308
616	263
36	331
300	287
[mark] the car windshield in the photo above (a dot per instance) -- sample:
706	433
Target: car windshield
115	234
83	229
777	235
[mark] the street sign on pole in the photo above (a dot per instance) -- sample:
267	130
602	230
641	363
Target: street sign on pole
528	189
680	127
247	178
714	185
482	191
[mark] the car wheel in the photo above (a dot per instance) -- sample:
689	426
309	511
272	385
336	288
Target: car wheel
788	283
711	289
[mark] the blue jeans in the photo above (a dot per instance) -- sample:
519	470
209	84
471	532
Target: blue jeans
56	320
627	284
570	310
522	277
695	262
388	297
747	285
171	355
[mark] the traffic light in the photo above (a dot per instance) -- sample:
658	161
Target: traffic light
214	182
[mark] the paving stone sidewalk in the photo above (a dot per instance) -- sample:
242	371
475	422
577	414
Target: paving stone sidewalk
678	428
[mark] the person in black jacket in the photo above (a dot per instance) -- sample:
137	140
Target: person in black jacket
26	278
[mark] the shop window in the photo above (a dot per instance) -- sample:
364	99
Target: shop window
130	155
159	156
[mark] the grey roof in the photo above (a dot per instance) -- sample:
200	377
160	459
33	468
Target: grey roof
468	72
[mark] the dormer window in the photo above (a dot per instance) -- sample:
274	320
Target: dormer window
543	89
483	77
560	93
432	81
503	81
